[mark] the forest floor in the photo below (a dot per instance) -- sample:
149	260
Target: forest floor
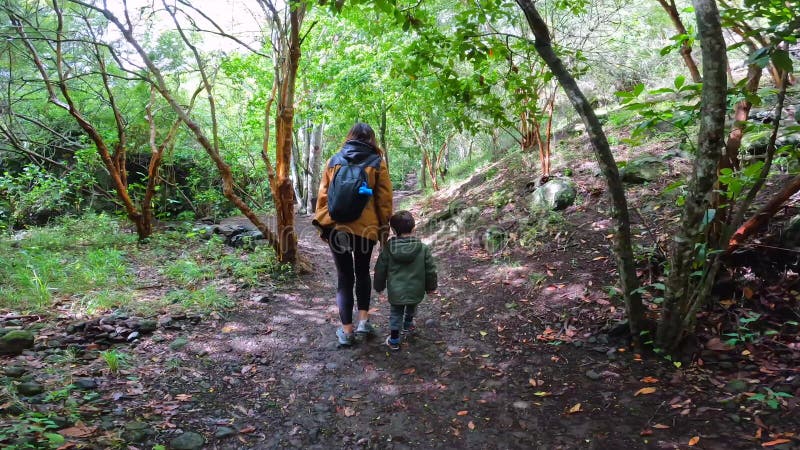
515	350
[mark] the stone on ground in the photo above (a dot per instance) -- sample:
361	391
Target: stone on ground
188	441
15	341
556	194
644	169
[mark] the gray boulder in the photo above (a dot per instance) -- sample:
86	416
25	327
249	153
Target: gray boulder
556	194
15	341
188	441
645	169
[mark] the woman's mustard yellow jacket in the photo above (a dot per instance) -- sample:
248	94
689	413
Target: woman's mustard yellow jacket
373	223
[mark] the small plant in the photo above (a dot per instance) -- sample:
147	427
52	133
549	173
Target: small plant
536	279
188	272
770	398
744	333
114	360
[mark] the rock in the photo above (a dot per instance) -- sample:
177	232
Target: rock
223	432
592	375
136	432
147	326
14	371
245	239
556	194
188	441
643	170
467	217
29	388
735	418
76	327
331	366
15	341
431	323
178	343
12	408
519	404
133	336
86	384
736	386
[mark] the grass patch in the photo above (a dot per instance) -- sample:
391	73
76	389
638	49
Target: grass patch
78	256
203	300
91	264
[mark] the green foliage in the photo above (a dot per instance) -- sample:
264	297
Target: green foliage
71	258
115	360
771	399
188	272
203	300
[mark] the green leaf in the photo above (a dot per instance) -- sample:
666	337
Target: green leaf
759	57
55	438
781	59
680	80
638	89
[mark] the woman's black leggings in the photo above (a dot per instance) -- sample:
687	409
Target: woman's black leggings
352	255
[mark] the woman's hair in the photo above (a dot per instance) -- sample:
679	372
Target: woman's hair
364	133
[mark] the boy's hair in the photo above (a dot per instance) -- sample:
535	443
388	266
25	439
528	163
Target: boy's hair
402	222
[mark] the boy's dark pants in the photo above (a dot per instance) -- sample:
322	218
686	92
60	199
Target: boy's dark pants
401	316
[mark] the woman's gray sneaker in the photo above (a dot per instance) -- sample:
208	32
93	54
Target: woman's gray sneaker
345	339
365	328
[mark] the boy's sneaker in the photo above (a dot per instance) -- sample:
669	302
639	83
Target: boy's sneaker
393	344
345	339
365	328
409	329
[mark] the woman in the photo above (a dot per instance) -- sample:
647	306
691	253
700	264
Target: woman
351	240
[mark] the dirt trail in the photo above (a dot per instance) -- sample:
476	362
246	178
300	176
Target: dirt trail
272	370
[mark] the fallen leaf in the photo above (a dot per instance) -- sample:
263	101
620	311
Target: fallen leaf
247	429
462	413
693	441
228	328
483	333
78	431
649	380
660	426
717	345
646	432
183	397
576	408
409	371
748	293
776	442
542	394
349	412
471	425
644	391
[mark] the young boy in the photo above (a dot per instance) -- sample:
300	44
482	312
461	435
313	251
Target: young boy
406	267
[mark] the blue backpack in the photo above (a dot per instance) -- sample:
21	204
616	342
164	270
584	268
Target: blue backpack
349	191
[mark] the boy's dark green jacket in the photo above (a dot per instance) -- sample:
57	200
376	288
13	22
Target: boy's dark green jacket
406	266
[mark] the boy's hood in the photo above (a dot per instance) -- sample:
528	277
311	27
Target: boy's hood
404	249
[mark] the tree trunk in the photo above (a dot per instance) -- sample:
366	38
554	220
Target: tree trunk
314	167
284	203
685	291
742	109
382	131
686	50
623	249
